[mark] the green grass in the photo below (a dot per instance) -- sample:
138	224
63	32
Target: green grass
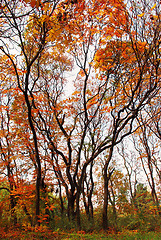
130	236
58	235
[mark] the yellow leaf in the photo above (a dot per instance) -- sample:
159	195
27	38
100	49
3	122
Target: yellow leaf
108	37
141	15
153	6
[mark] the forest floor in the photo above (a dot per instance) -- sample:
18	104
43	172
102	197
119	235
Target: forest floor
46	234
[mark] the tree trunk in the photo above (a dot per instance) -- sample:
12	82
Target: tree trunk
38	185
13	215
12	197
105	203
61	199
37	158
113	203
106	178
78	210
71	201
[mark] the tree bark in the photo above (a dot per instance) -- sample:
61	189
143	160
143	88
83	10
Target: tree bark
71	201
106	178
78	210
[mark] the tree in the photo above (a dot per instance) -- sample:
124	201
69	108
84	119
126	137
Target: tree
133	61
116	52
8	143
132	167
148	150
26	26
143	198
